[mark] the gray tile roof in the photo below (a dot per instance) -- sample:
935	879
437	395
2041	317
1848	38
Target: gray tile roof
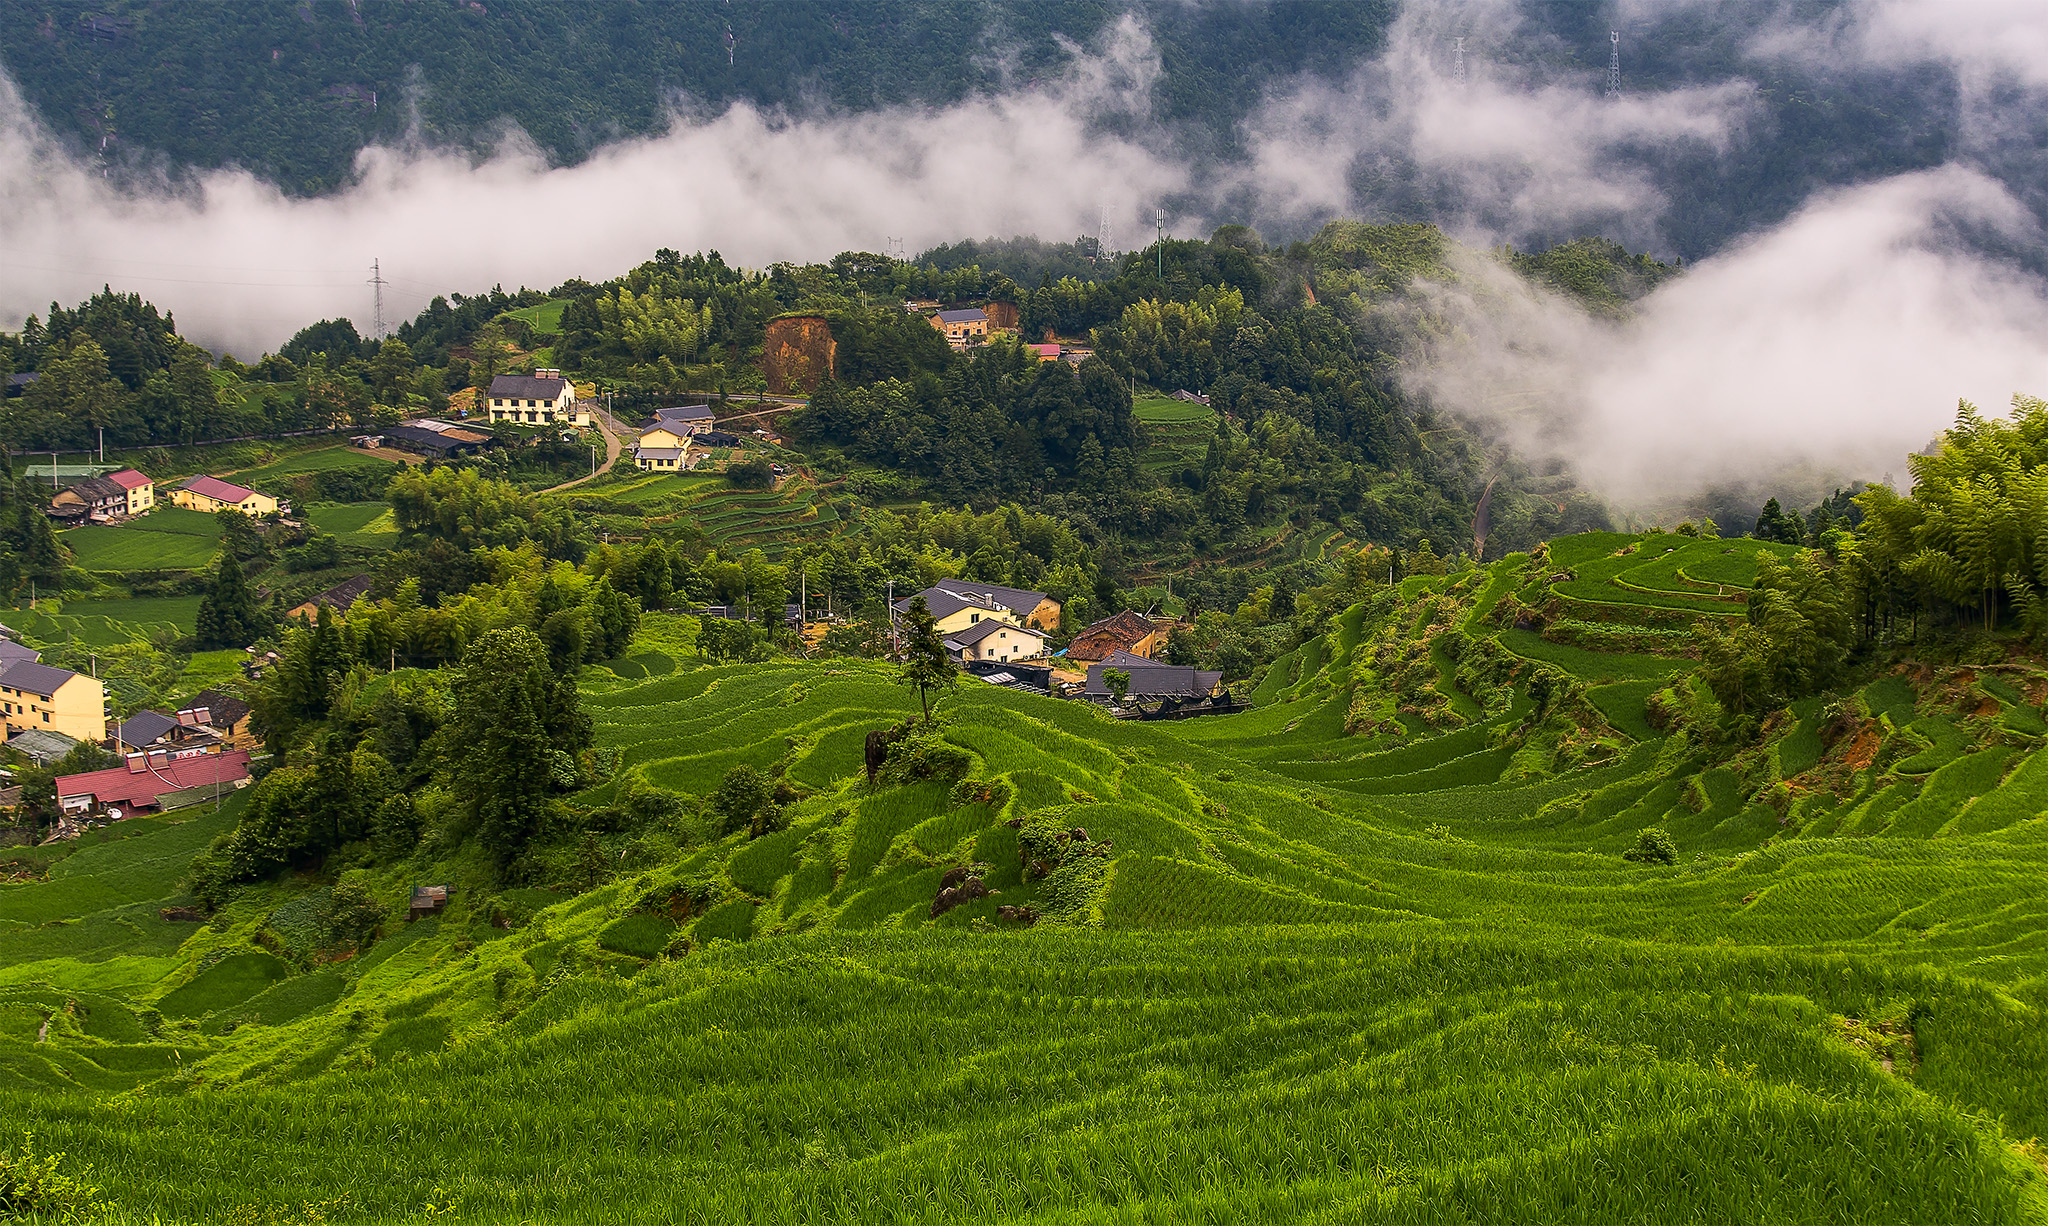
969	315
35	678
145	728
1150	679
982	629
685	412
658	453
42	745
526	387
11	652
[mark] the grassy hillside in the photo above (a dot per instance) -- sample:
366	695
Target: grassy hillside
1370	952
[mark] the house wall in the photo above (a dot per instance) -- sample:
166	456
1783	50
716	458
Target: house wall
141	499
662	436
561	410
1004	646
960	619
78	709
254	504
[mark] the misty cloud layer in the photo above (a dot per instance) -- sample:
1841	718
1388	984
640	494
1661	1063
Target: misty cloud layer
1832	343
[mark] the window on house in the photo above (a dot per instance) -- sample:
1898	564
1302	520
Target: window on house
973	618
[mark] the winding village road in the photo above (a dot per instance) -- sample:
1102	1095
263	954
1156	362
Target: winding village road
611	430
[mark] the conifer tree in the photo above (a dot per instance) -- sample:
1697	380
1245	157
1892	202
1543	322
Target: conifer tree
230	615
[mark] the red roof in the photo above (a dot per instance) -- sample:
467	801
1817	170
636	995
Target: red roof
136	786
128	479
218	490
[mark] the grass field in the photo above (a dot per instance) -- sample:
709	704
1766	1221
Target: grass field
1282	973
545	319
325	459
368	525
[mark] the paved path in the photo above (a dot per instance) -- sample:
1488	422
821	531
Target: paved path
612	447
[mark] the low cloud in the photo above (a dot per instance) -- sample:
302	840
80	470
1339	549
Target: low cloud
1823	351
244	266
1500	156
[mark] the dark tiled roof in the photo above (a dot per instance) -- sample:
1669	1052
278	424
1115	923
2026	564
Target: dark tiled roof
225	710
942	603
343	594
42	744
526	387
12	652
145	728
35	678
96	490
685	412
659	453
1016	600
961	317
1153	680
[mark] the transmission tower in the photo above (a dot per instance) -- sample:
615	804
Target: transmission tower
1159	243
377	284
1458	63
1614	64
1105	238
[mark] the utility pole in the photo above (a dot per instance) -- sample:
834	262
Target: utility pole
377	283
1614	64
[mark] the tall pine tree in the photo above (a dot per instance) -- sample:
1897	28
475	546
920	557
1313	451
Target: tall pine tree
229	614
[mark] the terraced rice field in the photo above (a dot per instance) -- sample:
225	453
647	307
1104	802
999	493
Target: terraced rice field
321	459
1279	971
1179	431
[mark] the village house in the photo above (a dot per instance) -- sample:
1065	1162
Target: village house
141	490
153	782
956	604
98	498
543	398
999	641
1127	631
962	326
226	715
180	736
661	459
211	494
684	419
337	600
37	696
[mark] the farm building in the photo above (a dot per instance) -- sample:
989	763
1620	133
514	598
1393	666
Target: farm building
543	398
441	444
39	697
962	326
146	780
1151	679
427	900
100	498
1127	632
212	494
995	640
225	714
337	600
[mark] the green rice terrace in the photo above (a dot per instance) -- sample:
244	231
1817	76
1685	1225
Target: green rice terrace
732	520
1464	921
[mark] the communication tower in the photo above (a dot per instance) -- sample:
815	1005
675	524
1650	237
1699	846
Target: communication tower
1105	238
1458	63
1159	240
1614	64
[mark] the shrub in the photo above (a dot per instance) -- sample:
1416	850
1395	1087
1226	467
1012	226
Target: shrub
33	1186
743	800
1653	846
352	914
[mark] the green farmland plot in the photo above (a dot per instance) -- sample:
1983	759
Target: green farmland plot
324	459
